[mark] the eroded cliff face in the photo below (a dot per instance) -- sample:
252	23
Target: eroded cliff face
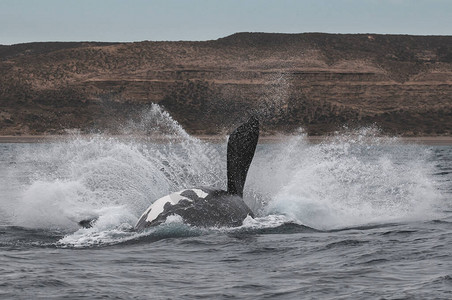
316	81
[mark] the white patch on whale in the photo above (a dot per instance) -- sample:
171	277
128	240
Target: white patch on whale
199	193
158	206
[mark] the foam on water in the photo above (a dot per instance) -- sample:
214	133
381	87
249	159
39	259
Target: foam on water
115	228
354	178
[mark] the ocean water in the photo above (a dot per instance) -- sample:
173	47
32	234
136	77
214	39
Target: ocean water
358	216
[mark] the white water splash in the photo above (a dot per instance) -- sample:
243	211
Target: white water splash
75	179
355	178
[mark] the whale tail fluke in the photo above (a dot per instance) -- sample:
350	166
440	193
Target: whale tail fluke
241	146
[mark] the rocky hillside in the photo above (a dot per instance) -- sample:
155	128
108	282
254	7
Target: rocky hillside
316	81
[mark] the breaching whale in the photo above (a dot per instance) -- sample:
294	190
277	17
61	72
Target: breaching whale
206	206
211	207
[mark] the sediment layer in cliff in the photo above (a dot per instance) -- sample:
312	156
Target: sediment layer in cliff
320	82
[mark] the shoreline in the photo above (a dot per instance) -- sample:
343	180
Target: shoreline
423	140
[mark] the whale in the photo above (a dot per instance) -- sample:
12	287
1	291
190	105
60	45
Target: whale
209	206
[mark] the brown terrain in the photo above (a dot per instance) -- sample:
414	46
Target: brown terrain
320	82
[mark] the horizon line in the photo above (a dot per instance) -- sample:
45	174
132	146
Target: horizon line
239	32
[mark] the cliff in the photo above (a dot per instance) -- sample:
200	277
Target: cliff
317	81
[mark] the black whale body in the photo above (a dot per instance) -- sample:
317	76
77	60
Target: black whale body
209	207
215	208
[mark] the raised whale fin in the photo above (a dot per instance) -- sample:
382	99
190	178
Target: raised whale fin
241	146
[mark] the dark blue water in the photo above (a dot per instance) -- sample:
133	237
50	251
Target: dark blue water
356	217
390	261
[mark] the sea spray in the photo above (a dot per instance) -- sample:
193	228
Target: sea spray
77	178
354	178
